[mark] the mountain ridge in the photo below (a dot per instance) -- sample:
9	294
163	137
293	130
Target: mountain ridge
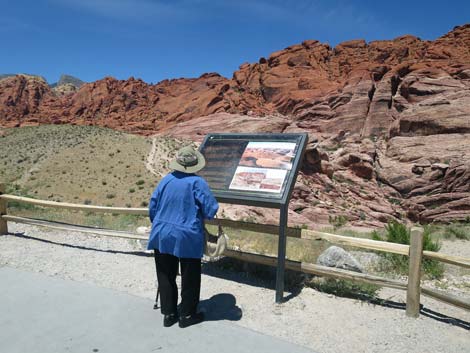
388	120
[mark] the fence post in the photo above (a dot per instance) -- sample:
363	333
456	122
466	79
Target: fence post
414	276
3	211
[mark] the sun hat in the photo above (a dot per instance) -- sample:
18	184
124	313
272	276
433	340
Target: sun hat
188	160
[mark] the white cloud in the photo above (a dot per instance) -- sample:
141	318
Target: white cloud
336	15
139	10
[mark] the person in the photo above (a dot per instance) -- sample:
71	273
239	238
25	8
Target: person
177	209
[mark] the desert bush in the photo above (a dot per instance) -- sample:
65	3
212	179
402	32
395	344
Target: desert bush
21	206
344	288
396	232
458	231
337	221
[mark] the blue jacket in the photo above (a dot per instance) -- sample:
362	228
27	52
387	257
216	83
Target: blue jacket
177	210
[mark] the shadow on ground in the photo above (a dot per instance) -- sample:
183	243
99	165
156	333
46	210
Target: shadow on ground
425	312
255	275
137	252
225	268
223	306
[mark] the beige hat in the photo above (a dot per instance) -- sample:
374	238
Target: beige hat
188	160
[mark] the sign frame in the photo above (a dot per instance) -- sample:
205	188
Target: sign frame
260	200
264	200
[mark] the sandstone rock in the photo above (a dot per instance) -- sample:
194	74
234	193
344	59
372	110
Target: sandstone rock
439	166
363	170
423	163
327	169
417	170
383	113
443	207
197	128
317	215
457	178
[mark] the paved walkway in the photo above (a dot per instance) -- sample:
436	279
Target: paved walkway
45	314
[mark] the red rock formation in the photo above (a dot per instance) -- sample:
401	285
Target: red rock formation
383	114
21	99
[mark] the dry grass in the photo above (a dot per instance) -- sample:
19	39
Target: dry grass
81	164
267	244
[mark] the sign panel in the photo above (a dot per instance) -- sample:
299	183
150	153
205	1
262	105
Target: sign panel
252	169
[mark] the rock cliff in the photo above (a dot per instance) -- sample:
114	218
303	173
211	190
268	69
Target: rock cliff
389	120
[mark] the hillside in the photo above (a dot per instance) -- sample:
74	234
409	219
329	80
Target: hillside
389	121
80	164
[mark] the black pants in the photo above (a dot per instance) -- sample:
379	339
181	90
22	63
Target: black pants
167	269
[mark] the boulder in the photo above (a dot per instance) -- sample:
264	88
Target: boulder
337	257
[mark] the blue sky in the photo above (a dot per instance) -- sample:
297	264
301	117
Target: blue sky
158	39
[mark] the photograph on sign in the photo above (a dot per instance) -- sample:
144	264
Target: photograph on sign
271	154
258	179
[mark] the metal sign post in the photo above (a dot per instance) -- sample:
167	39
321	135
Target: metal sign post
255	170
281	254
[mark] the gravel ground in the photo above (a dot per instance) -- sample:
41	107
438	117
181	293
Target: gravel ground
320	321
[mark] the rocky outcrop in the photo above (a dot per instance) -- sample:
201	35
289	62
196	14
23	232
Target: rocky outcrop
337	257
197	128
22	98
67	85
68	80
389	121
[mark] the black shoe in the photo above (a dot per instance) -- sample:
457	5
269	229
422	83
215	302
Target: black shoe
170	320
194	319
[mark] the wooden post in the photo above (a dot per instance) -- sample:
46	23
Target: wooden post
414	277
3	211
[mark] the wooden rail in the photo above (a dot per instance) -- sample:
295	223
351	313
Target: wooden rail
369	244
255	227
347	275
73	227
415	252
74	206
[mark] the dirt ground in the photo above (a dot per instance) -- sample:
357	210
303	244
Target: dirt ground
322	322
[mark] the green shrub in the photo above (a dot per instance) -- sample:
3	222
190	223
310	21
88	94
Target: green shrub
398	233
337	221
457	231
344	288
21	206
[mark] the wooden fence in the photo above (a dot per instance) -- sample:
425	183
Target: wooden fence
414	250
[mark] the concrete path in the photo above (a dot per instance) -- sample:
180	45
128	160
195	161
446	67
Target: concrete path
44	314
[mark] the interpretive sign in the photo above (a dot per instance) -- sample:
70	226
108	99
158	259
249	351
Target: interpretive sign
252	169
255	170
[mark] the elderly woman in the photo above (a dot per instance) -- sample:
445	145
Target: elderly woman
177	209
